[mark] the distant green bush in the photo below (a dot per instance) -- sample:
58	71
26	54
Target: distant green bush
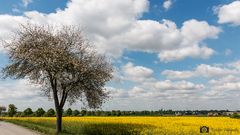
49	113
235	115
39	112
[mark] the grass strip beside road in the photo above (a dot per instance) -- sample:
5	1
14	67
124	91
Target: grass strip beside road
83	128
34	126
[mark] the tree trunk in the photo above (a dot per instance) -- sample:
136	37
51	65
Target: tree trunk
59	120
58	106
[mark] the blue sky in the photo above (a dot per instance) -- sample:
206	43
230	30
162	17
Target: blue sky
167	54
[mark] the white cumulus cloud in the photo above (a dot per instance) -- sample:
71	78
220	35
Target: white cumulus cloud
115	26
19	89
229	13
202	70
167	4
136	73
26	2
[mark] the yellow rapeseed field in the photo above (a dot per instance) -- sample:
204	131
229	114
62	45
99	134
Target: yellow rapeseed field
160	125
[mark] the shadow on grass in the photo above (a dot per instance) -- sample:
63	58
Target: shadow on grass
112	129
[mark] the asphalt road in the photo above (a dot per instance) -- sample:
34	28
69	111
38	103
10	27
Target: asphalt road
11	129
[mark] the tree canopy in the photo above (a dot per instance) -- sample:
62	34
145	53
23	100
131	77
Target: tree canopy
12	110
40	112
60	60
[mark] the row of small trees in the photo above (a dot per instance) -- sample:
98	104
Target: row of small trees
40	112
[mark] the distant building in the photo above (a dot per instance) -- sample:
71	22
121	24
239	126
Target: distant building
228	113
212	114
178	114
2	110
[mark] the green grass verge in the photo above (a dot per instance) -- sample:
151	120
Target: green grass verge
34	126
84	128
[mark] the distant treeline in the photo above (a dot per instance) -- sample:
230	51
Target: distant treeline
40	112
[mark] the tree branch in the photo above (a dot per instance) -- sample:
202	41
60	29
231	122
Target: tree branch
64	98
54	88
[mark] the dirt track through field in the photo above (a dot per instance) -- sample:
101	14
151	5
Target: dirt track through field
11	129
